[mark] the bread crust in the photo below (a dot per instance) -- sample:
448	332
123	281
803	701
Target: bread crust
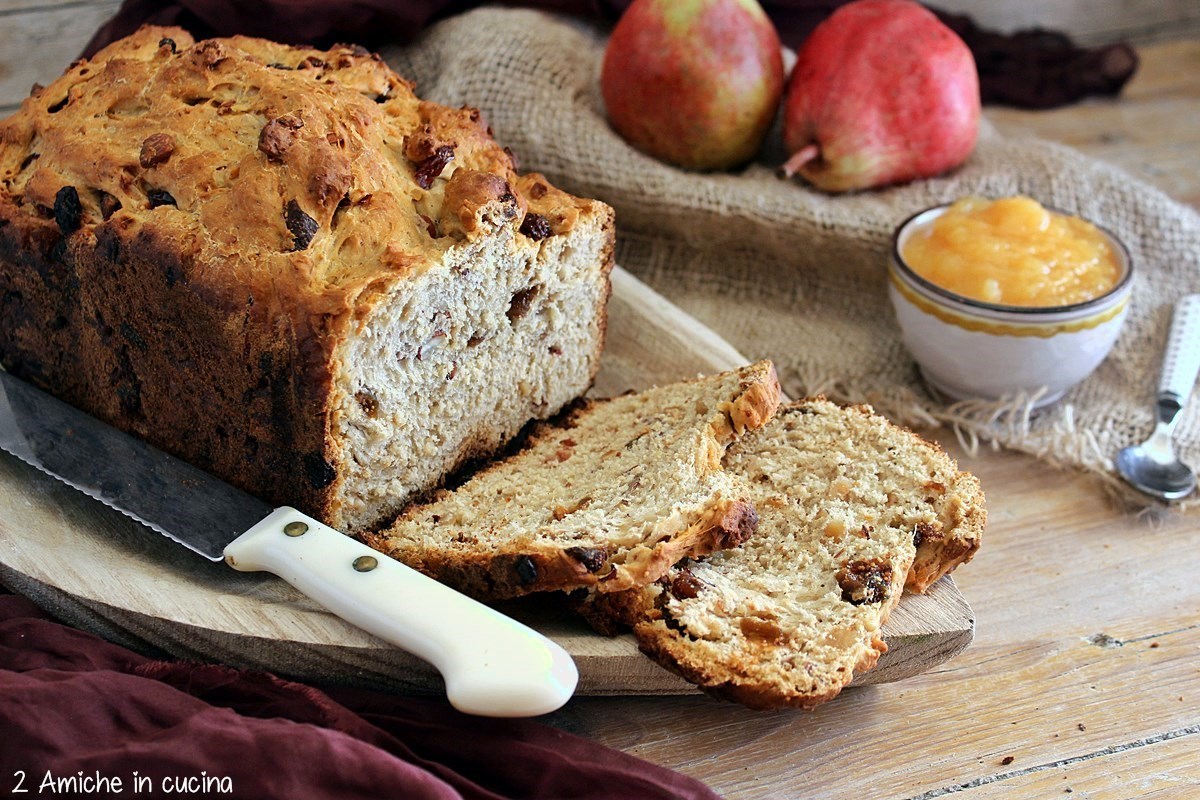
734	687
176	267
608	260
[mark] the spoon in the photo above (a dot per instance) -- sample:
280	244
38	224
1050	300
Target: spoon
1152	466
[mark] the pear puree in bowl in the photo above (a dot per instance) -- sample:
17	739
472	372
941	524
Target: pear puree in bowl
1013	252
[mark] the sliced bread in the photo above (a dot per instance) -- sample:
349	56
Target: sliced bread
281	265
609	497
789	617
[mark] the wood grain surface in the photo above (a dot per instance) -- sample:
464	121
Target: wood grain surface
145	591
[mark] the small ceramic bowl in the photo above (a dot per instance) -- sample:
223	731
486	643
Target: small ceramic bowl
971	349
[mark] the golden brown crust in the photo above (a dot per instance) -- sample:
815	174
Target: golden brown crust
754	698
609	258
614	612
757	405
188	231
964	515
472	200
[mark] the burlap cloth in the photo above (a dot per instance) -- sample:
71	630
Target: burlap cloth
787	273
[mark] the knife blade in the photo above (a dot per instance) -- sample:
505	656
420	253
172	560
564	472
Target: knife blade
492	665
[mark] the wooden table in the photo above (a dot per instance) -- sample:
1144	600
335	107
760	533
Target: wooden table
1085	672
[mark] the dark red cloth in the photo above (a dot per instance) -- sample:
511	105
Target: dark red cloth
71	702
1028	69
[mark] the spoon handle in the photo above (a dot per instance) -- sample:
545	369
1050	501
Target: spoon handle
1182	360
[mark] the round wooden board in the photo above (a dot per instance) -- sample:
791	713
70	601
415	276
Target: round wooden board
104	572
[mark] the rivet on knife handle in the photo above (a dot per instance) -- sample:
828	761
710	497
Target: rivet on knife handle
492	665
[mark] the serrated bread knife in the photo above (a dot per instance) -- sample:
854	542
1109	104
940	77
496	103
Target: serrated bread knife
492	665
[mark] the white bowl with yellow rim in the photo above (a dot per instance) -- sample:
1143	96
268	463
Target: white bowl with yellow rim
967	348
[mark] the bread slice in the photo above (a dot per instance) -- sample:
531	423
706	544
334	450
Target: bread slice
790	616
609	497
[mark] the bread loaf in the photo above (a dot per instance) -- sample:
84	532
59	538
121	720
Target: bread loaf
280	265
788	618
608	497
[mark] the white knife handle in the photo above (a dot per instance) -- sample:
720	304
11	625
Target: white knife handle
1181	362
492	665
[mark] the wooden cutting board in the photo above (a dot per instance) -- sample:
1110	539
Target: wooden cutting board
101	571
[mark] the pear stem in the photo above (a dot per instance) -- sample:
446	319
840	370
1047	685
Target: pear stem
799	159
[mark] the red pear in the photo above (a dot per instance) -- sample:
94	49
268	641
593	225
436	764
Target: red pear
693	82
882	93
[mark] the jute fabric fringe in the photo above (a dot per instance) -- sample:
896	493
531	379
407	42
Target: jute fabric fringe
788	273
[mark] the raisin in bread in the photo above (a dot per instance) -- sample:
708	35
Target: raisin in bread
791	615
610	496
281	265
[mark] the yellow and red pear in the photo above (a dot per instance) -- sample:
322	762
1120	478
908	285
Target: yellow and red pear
693	82
882	93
